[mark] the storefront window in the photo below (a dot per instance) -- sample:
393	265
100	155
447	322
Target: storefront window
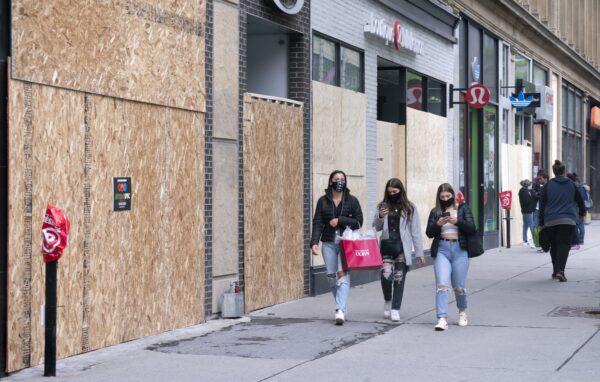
540	75
521	67
505	126
518	129
462	46
505	63
565	107
490	65
436	97
351	73
390	100
474	60
572	141
578	124
490	196
337	64
324	61
571	111
414	90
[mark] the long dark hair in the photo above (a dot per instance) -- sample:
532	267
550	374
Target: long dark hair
334	173
403	203
444	187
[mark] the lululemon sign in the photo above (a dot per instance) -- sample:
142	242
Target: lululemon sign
478	95
396	33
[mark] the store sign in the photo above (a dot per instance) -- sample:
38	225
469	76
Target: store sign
595	117
523	100
122	194
396	34
545	111
478	95
506	199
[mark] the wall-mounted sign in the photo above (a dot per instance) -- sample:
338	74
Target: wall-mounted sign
397	34
523	100
291	7
122	194
595	117
506	199
478	95
545	111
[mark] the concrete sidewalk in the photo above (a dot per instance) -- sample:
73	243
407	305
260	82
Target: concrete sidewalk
523	327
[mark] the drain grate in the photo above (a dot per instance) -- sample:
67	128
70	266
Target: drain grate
575	311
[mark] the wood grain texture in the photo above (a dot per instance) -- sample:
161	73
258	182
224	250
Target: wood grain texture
273	238
144	50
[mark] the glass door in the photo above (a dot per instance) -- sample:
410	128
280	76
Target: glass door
490	173
474	165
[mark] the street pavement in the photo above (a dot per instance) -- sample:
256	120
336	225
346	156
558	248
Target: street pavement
523	326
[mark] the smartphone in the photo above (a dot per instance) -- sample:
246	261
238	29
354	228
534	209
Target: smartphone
445	214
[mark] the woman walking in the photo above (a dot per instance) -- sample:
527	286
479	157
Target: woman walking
335	211
559	204
398	218
451	226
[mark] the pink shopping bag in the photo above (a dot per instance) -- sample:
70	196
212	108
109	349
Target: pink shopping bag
360	254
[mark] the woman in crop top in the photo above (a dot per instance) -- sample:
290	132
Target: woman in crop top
449	225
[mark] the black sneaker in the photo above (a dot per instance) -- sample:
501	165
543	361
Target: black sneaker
554	276
561	277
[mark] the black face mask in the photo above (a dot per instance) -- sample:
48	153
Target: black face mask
447	203
394	198
339	186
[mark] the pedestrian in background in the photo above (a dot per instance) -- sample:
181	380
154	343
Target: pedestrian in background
560	205
452	228
540	181
398	219
335	211
528	202
584	195
589	204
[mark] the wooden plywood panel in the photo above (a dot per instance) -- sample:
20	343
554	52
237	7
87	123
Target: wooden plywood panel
339	130
46	152
515	166
391	152
425	161
144	50
273	159
150	270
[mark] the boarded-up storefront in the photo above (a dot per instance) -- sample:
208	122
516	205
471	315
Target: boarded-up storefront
273	201
119	92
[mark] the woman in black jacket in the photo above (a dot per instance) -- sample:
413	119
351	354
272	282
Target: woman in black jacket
453	231
335	211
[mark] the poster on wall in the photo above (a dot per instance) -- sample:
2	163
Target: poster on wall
122	194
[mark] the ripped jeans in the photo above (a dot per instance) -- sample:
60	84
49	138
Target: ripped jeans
451	266
340	286
393	276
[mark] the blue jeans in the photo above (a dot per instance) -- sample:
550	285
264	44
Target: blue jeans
451	266
340	286
536	218
528	224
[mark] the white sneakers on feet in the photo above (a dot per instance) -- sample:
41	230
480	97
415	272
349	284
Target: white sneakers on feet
339	317
387	307
462	319
442	324
395	315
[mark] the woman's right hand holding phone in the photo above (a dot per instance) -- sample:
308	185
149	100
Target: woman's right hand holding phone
443	220
383	212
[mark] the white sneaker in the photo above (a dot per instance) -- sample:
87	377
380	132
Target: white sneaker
442	324
525	244
387	307
339	317
462	319
395	315
532	245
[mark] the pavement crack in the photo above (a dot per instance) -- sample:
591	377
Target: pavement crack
578	349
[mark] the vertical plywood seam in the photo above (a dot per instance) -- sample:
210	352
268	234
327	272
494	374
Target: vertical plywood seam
85	343
27	224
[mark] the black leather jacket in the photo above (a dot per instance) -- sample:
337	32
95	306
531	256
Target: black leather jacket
464	222
351	216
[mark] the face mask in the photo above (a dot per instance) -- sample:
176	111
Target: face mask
447	203
394	198
339	186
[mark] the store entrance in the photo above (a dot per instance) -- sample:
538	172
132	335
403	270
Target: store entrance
540	147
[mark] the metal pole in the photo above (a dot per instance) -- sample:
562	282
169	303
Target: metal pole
507	228
50	321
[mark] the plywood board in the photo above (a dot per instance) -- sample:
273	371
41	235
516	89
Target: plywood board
151	271
515	166
426	159
143	50
339	130
46	144
391	154
144	266
273	218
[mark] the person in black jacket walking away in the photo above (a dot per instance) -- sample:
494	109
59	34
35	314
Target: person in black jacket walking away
335	211
560	203
450	226
528	201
